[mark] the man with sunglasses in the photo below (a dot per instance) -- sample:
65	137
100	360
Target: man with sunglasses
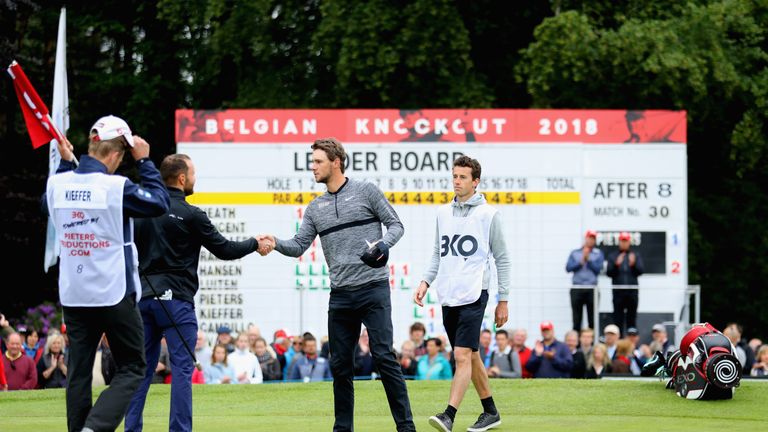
93	210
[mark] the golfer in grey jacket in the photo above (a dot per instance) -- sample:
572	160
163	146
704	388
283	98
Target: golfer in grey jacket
348	219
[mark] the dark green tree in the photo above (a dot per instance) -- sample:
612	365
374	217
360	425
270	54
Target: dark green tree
710	60
397	54
707	57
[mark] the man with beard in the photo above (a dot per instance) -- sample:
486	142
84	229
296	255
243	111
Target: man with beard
169	251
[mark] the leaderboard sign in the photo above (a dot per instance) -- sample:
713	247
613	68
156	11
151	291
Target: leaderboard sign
553	174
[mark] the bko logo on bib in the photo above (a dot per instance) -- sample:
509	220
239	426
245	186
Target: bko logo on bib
458	245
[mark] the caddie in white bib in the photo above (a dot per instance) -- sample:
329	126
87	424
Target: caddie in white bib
87	210
464	254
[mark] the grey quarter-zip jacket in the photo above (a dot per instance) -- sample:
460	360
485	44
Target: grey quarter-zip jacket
345	220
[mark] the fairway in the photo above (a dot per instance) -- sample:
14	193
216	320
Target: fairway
544	405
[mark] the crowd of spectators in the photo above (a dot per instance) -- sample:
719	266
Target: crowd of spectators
510	354
31	360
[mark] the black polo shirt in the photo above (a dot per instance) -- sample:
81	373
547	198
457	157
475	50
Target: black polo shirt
169	248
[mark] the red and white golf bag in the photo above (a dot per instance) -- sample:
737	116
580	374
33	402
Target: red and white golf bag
705	367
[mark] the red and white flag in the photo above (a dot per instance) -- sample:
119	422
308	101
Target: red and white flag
39	124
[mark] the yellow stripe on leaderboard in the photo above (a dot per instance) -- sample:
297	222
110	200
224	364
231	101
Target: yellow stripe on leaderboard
398	198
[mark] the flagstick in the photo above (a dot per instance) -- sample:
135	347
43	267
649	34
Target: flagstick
60	138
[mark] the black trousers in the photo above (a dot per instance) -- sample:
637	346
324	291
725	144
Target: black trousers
125	334
347	310
581	297
625	299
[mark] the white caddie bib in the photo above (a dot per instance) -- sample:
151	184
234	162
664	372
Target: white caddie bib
465	251
87	212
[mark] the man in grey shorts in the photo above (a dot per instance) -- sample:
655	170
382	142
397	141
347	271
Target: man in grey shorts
348	219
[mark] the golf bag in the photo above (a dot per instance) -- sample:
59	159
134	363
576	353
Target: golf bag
705	367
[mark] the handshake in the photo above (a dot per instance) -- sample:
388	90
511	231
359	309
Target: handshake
266	244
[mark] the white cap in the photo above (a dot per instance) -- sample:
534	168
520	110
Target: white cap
110	127
612	328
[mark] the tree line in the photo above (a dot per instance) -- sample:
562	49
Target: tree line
150	58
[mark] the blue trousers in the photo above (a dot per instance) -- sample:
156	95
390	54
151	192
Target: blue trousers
157	325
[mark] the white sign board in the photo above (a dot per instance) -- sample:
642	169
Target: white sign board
553	174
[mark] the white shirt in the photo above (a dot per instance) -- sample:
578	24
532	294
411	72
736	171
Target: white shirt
246	361
203	356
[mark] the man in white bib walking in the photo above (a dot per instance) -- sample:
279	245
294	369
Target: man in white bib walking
469	232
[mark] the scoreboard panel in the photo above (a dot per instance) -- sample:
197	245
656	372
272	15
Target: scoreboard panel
553	174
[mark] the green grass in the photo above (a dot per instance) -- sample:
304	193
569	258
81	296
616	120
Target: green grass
525	405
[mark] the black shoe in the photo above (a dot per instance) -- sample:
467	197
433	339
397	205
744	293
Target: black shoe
441	422
485	422
655	366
